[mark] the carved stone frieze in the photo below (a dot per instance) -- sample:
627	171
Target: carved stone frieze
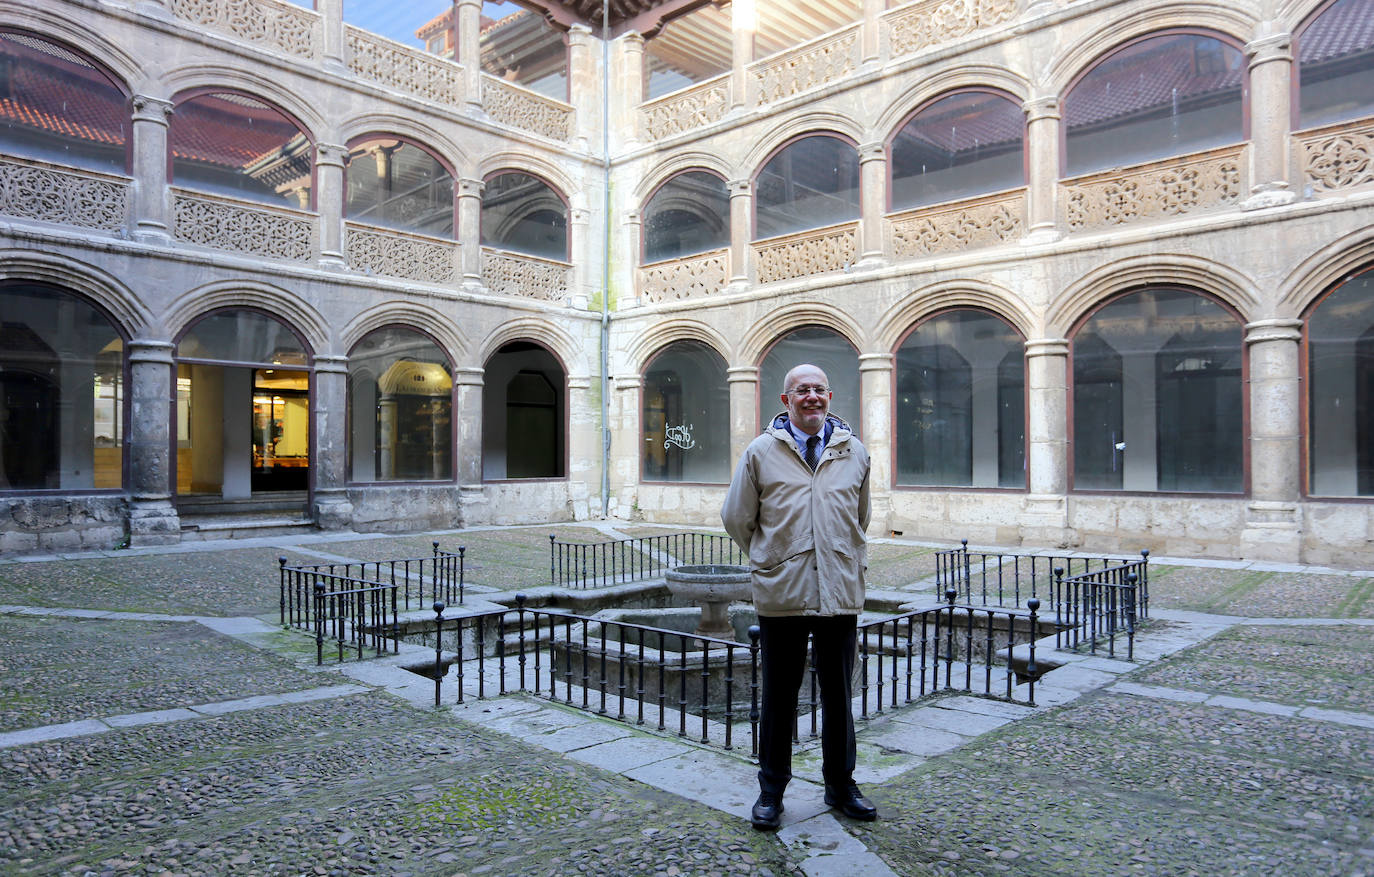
688	277
921	25
960	225
405	69
273	24
525	276
520	108
807	67
1338	156
701	105
397	254
259	231
807	253
1173	187
35	191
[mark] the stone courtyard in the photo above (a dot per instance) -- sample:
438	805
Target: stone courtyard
155	718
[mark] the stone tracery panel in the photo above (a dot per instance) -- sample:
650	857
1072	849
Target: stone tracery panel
526	110
409	70
525	276
1338	156
808	67
397	254
806	253
689	277
976	222
270	23
920	25
88	200
1189	184
685	110
231	225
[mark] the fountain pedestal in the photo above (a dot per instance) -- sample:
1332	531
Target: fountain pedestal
714	587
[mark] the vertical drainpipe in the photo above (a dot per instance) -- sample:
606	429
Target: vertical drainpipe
606	258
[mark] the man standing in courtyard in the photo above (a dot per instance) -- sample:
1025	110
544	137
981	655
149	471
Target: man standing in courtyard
798	507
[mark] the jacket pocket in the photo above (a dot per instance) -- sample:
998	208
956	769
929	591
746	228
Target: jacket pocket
847	579
781	588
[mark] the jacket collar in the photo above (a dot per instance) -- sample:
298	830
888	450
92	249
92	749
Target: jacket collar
838	429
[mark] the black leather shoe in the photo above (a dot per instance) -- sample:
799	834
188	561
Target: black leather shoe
851	802
767	813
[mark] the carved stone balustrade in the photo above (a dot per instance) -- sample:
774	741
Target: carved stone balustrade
1172	187
390	253
927	23
986	221
1336	157
526	276
244	227
48	193
809	66
818	251
270	24
689	277
527	110
694	107
398	66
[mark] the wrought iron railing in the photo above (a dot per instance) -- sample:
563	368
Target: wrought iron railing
355	618
1009	579
440	576
1095	607
594	564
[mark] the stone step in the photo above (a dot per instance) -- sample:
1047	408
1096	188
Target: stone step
200	528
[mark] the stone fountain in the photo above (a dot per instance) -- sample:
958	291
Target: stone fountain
713	587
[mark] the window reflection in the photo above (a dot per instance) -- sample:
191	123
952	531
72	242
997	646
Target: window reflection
523	214
781	26
518	46
962	145
1336	64
810	183
232	144
690	49
689	214
524	391
1340	426
400	408
398	185
686	416
820	347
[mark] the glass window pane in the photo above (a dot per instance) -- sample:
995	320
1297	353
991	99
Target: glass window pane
819	347
1336	64
231	144
400	408
1340	426
1157	396
690	49
960	410
524	415
1162	96
242	336
524	214
782	25
688	214
963	145
686	416
519	46
399	185
811	183
56	106
420	24
61	393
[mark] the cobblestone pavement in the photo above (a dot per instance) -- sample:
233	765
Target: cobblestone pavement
1272	774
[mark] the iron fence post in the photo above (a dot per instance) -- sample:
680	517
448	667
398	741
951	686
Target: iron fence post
1031	670
520	620
281	564
754	690
319	623
438	646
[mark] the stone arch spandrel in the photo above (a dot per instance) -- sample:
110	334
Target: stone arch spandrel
561	344
411	316
689	161
775	324
972	76
1323	270
648	343
809	123
930	300
1082	296
384	124
534	165
1292	14
132	75
250	294
120	302
213	78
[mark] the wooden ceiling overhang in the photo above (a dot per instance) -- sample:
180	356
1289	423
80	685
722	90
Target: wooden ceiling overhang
645	17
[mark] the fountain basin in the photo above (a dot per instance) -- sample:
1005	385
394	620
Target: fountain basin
713	586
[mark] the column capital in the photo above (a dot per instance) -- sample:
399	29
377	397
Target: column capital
1047	347
151	109
631	41
1273	330
739	188
876	362
876	151
1271	47
461	3
745	374
470	187
580	215
331	364
579	382
1043	107
468	376
151	350
579	34
632	217
628	382
330	154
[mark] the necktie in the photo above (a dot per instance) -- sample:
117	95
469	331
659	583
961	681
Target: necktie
813	451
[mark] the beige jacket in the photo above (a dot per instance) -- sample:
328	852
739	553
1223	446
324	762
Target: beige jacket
803	530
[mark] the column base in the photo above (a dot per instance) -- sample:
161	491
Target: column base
869	261
1042	234
152	235
1044	522
333	512
1263	198
738	284
1273	531
153	522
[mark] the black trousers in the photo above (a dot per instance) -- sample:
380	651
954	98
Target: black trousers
782	641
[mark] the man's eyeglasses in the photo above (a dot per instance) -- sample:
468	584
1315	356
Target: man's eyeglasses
808	389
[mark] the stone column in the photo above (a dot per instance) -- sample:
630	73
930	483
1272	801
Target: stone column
1045	520
579	245
470	230
329	202
872	29
626	442
332	23
149	134
627	91
744	409
741	231
152	516
333	510
467	413
632	231
873	197
875	392
470	54
1273	518
584	88
1271	83
1042	162
743	24
584	448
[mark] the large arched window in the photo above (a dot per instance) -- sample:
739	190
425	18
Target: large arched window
1340	390
1153	98
960	406
686	416
400	408
809	183
524	414
1336	64
57	106
689	214
232	144
523	214
689	49
965	144
399	185
1157	395
820	347
62	380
